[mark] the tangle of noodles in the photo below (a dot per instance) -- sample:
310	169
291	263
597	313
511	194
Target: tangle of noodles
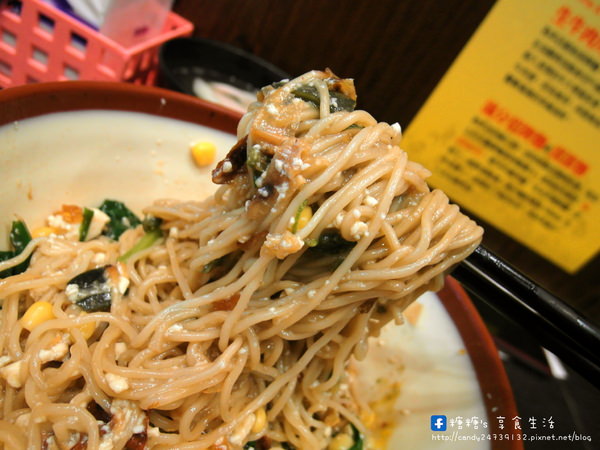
249	305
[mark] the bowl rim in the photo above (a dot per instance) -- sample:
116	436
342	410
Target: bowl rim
166	65
32	100
496	391
28	101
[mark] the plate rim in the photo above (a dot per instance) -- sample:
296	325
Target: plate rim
32	100
494	385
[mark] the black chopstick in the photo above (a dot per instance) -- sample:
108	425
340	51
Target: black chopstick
557	326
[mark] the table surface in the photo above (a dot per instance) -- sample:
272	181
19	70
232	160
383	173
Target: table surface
573	403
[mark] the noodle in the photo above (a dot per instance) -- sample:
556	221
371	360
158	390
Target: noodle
321	232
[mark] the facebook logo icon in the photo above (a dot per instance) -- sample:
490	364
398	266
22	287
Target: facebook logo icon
438	423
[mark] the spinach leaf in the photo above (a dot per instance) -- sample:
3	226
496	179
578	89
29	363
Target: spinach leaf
337	100
84	228
121	218
151	223
358	439
145	242
5	255
331	242
19	238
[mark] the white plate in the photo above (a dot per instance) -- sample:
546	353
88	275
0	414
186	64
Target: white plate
84	157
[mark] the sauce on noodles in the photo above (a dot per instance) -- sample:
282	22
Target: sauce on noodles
234	327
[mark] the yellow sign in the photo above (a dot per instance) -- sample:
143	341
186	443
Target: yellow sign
512	132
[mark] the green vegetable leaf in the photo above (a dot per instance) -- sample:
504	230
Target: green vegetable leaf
5	255
256	159
297	216
19	238
332	242
256	445
84	228
278	84
310	242
146	241
96	302
214	263
337	100
355	125
121	218
151	223
358	439
92	290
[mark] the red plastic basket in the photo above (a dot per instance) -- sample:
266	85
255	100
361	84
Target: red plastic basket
41	43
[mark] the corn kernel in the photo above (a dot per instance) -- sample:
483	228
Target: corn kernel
37	314
88	328
367	418
305	216
204	153
341	441
44	232
300	221
261	420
